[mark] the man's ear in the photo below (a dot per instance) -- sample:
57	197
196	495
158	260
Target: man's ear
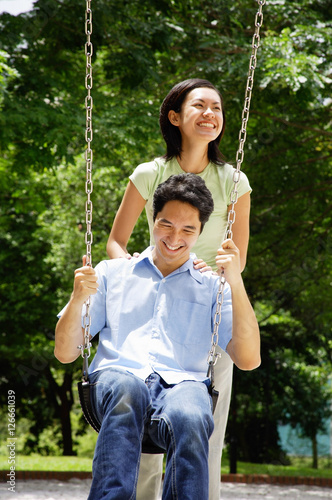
173	117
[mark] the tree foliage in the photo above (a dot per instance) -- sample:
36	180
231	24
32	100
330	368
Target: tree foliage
142	48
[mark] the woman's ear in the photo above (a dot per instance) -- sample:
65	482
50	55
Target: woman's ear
173	117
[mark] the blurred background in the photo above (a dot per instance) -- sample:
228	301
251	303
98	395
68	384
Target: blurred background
141	49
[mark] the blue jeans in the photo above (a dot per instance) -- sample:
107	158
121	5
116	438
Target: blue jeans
177	417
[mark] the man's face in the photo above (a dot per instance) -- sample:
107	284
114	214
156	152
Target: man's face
176	229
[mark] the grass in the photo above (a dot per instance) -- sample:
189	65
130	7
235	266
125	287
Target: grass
39	462
298	467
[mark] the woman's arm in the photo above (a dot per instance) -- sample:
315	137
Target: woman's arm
240	227
130	209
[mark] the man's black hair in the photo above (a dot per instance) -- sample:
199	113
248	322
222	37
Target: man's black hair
188	188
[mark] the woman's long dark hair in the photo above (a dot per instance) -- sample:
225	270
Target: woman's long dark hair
171	133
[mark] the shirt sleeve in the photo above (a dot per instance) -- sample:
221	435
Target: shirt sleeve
97	309
144	179
243	185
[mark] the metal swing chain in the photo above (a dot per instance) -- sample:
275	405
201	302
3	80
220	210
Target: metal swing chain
213	356
85	347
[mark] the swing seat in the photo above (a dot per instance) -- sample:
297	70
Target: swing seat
148	446
84	396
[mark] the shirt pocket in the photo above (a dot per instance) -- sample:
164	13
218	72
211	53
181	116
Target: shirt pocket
189	323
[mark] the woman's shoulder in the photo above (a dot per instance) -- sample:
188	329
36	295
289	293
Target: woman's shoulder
225	170
218	174
220	180
226	174
159	168
149	167
147	176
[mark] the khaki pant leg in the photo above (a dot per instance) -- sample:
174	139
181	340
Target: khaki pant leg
149	477
223	374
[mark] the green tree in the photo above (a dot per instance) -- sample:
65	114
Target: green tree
141	48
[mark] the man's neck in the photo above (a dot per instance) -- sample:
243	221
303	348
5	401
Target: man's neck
164	267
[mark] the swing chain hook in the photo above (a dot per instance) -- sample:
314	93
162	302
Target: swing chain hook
213	356
86	345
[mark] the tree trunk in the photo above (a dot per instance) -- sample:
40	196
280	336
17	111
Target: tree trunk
66	396
64	393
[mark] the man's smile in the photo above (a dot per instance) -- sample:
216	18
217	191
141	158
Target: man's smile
170	247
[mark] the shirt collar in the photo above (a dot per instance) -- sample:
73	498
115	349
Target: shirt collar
146	255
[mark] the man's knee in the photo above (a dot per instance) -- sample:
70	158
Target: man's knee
196	420
122	390
192	416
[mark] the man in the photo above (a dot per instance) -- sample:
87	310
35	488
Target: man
155	318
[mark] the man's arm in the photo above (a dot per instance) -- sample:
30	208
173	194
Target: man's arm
244	347
68	332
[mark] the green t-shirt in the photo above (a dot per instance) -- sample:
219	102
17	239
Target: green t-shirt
219	179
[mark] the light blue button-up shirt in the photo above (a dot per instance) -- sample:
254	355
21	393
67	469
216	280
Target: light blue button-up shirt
151	323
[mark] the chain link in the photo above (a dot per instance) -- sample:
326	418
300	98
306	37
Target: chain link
213	356
85	347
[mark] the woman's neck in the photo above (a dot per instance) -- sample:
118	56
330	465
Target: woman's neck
193	160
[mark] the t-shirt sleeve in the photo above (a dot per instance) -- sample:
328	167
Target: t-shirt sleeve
243	185
144	179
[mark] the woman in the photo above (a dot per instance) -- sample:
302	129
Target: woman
192	122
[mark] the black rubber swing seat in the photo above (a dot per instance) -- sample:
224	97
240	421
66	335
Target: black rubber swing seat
148	446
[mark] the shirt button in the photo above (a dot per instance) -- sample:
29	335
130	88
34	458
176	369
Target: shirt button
158	308
163	280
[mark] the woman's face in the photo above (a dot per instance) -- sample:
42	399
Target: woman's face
200	118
